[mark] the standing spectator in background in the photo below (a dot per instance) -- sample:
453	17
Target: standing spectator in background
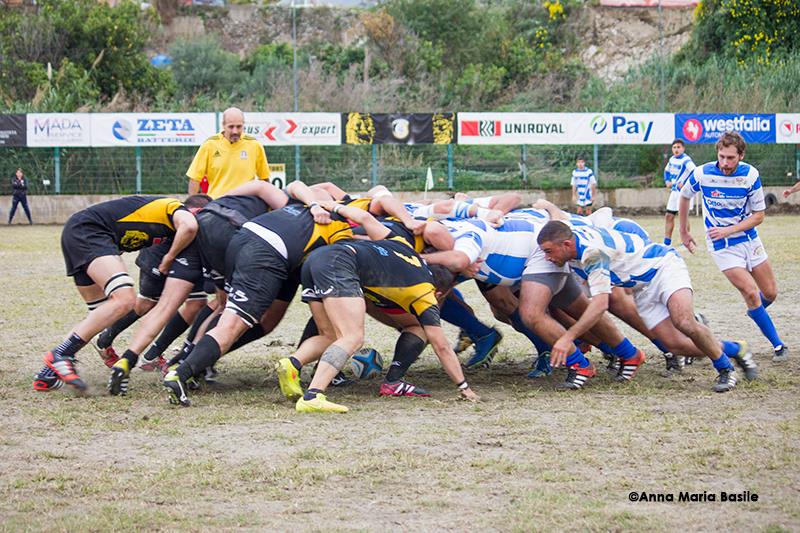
584	187
228	159
20	186
678	168
788	192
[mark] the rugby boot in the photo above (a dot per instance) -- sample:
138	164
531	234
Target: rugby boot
155	364
726	380
629	367
614	364
464	341
46	380
781	354
485	350
673	363
577	377
176	389
64	368
288	379
319	404
108	355
341	380
401	388
744	358
541	366
120	378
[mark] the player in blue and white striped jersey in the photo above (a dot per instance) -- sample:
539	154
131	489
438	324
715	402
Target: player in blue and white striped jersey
584	187
733	205
661	287
677	171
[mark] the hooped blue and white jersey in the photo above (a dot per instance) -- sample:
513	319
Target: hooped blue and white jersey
528	213
727	200
606	258
582	180
504	250
677	170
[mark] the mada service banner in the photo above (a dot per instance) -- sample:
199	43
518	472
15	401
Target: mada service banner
12	130
59	129
788	128
152	129
398	128
291	129
708	127
516	128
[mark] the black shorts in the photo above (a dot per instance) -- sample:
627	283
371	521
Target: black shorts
151	284
187	266
258	276
331	272
214	235
83	240
671	212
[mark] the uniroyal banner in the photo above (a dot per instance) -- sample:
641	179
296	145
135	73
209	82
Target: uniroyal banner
788	128
565	128
151	129
59	129
708	127
12	130
289	129
398	128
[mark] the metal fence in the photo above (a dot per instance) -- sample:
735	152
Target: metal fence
400	167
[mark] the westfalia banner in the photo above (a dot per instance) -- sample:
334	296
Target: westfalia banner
709	127
12	130
398	128
59	129
152	129
565	128
788	128
290	129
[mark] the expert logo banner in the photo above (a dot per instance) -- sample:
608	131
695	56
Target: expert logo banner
285	129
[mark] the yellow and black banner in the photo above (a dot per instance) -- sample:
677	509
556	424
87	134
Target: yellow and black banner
398	128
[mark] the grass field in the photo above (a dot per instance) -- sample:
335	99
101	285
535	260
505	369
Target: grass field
525	458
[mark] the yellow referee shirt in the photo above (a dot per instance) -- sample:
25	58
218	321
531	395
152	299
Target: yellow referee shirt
228	165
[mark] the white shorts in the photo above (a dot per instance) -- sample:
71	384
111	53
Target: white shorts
651	300
673	204
584	202
747	255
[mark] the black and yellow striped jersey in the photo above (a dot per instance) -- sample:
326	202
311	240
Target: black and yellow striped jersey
137	221
392	275
398	229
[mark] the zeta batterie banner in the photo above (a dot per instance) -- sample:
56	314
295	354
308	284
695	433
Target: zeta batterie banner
59	129
152	129
291	129
398	128
699	128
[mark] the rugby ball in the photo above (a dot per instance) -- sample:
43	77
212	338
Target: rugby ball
366	363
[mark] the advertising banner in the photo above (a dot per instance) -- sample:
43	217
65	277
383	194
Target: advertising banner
649	3
516	128
290	129
12	130
152	129
59	129
708	127
565	128
788	128
398	128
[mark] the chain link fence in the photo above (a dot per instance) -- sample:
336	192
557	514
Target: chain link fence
400	167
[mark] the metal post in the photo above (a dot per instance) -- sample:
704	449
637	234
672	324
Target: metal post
596	163
57	168
450	167
523	165
662	87
797	163
374	165
294	83
138	170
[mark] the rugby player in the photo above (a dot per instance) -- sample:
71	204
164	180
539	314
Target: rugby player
733	205
92	241
662	291
678	168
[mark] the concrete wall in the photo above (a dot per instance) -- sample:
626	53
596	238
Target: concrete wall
52	209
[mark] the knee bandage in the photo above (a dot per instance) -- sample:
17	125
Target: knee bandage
335	356
96	303
118	281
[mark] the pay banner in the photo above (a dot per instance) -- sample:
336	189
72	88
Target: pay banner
788	128
289	129
152	129
59	129
708	127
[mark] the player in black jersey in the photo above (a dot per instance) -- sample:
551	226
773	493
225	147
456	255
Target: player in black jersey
261	266
92	241
337	280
